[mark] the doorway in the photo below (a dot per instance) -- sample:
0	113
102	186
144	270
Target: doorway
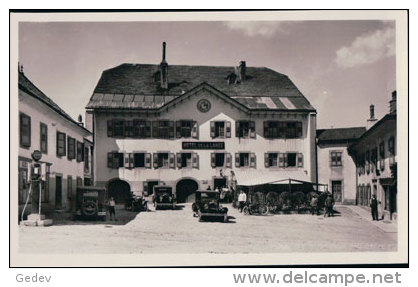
119	189
58	192
185	190
337	190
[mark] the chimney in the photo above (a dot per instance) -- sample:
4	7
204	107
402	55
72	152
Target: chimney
372	120
164	70
241	71
392	103
80	121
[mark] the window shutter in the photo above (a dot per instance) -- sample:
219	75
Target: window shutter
147	160
212	129
228	160
195	130
300	160
252	130
228	129
178	160
266	129
155	160
171	160
266	160
110	128
126	155
253	162
212	159
281	160
148	129
299	129
178	127
171	129
110	160
237	160
145	187
237	126
155	129
195	160
285	159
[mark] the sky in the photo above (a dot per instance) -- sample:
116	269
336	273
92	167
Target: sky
341	67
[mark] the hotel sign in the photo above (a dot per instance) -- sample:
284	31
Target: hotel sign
203	145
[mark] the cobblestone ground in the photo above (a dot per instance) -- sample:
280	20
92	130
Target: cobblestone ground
177	231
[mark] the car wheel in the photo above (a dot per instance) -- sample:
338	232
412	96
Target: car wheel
263	210
89	208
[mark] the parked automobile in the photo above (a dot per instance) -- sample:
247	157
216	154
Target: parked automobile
90	203
136	202
163	196
207	205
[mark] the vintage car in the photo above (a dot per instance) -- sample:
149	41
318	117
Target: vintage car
207	205
136	202
163	196
90	203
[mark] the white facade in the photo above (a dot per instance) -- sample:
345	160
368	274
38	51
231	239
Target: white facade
341	177
222	109
63	174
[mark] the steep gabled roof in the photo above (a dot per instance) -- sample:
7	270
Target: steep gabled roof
28	87
339	135
134	86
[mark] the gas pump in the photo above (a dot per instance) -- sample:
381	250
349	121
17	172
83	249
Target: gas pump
36	176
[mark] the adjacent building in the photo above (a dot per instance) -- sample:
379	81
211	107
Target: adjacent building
192	126
335	167
376	160
66	147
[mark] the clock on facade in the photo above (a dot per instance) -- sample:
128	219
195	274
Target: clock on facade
203	105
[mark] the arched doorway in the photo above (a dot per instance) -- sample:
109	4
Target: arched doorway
185	190
119	190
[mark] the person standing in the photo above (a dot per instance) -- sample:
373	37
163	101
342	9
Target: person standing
373	206
112	205
329	202
242	199
314	205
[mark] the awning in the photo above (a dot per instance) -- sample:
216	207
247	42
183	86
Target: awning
252	177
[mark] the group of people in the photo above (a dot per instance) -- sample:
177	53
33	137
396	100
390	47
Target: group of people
328	205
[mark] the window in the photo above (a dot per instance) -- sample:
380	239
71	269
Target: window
245	129
44	138
184	160
79	181
23	184
86	159
277	129
61	144
391	146
25	130
220	129
114	160
382	155
336	158
271	159
118	128
69	187
245	159
70	148
141	128
373	158
80	151
291	159
128	129
163	129
164	160
139	159
186	129
293	130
